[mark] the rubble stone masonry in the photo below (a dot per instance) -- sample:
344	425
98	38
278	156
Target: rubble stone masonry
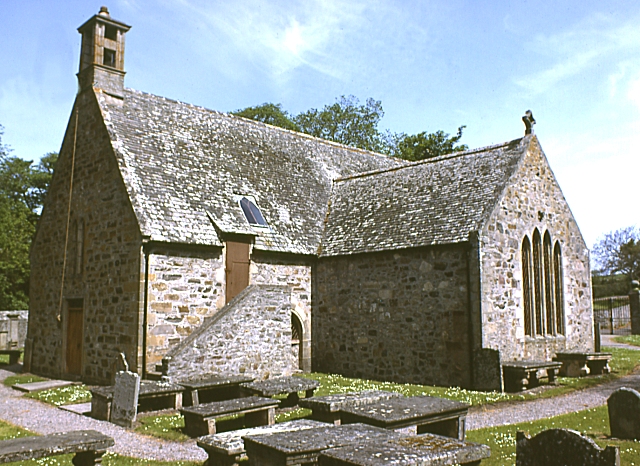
533	200
102	264
400	316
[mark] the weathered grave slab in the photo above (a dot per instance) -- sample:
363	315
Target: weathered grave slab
418	450
79	408
562	447
213	388
289	386
624	413
521	375
304	447
125	398
227	448
583	364
427	413
88	445
44	385
328	408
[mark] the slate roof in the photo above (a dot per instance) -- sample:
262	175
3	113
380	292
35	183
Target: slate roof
434	202
185	168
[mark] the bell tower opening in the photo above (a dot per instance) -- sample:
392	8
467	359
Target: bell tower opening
102	54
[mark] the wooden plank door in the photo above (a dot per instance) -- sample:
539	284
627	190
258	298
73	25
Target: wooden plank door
75	323
237	268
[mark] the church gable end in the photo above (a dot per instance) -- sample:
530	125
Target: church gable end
536	293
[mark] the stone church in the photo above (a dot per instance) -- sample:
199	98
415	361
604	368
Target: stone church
197	242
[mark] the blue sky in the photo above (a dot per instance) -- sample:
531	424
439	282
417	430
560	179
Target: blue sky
433	64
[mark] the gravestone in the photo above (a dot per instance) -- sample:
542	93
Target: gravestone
624	413
125	398
563	447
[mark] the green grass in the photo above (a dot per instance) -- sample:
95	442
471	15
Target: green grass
592	422
628	339
4	359
164	426
63	396
22	378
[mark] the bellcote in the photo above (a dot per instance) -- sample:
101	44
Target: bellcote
102	54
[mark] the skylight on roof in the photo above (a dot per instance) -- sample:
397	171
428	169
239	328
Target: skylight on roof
252	213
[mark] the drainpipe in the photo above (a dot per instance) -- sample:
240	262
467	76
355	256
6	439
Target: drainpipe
473	259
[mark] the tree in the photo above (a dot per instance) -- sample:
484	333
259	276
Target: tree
272	114
426	145
22	191
619	252
350	123
346	122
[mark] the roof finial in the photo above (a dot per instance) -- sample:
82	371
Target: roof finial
104	11
529	121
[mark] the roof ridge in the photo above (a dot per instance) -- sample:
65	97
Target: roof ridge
439	158
278	128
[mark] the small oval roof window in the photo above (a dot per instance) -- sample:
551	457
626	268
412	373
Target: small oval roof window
252	213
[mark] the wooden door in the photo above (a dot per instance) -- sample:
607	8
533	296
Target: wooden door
237	268
74	336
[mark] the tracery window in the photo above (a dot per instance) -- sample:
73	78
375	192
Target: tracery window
542	286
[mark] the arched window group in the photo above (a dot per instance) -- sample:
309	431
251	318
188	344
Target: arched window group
542	285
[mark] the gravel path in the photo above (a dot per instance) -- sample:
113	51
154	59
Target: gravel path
44	419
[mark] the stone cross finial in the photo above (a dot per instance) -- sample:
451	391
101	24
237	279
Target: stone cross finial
529	121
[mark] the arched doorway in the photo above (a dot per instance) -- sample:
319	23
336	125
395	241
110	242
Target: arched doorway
296	339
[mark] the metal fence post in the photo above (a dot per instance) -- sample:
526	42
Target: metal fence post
634	307
611	314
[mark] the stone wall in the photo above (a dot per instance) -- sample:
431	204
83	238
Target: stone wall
105	275
295	272
184	287
400	316
532	200
251	335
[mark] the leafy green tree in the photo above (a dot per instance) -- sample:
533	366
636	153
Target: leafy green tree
22	191
619	252
346	122
426	145
272	114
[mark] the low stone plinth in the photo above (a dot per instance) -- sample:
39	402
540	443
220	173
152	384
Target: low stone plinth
421	450
88	446
328	408
426	414
227	448
583	364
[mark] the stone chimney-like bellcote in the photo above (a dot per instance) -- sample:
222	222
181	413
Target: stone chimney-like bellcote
102	54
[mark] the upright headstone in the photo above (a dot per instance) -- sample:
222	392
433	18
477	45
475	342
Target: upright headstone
125	398
624	413
563	447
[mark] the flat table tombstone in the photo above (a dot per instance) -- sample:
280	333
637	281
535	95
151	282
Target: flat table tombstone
583	364
304	447
329	408
562	447
289	386
212	388
201	419
421	450
227	448
624	413
125	398
153	394
520	375
427	413
88	446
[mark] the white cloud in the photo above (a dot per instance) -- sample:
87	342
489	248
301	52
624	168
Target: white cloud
585	46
